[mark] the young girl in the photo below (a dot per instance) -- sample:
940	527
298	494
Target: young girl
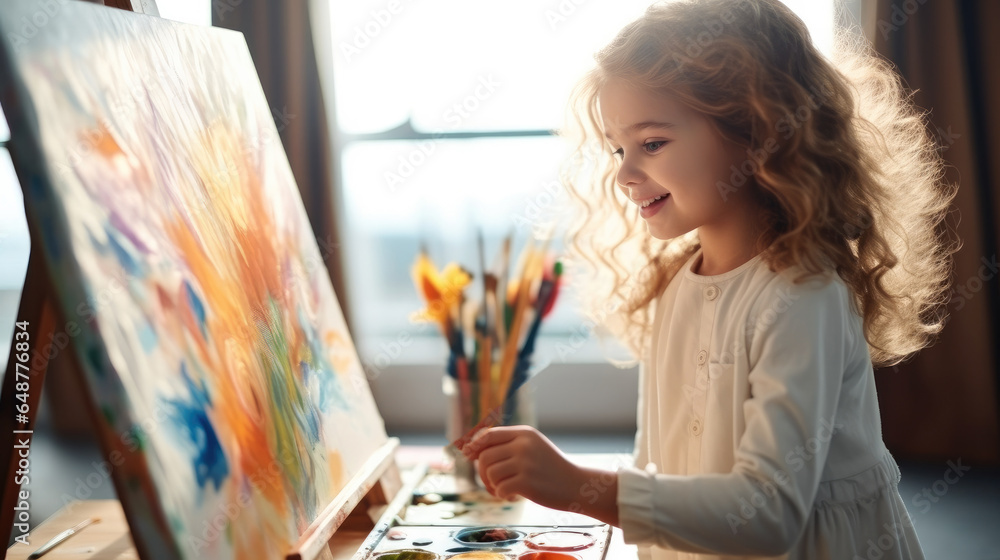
766	229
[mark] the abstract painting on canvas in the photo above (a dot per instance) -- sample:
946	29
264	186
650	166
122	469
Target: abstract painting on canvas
215	354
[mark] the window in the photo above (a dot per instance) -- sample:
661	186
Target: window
444	112
198	12
14	242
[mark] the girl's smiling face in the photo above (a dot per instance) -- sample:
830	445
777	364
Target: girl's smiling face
668	151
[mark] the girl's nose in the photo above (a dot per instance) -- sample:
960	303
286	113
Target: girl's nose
628	174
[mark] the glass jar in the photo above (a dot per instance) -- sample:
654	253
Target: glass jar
466	411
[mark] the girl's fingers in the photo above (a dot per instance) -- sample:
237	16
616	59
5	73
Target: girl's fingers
486	482
486	439
495	454
489	460
509	489
503	454
498	472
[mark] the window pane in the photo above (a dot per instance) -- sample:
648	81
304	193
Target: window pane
819	17
401	193
13	228
14	246
189	11
460	65
4	130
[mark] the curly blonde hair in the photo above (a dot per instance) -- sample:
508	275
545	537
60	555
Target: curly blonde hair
846	170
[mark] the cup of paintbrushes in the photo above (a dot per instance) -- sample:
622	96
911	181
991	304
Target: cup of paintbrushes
467	412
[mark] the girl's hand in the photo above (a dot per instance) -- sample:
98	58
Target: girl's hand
520	461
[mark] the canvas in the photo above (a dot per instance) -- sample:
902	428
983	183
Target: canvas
230	395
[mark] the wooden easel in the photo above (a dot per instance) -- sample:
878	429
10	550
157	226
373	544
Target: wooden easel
37	311
376	491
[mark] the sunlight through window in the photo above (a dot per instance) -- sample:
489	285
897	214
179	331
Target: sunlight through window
444	110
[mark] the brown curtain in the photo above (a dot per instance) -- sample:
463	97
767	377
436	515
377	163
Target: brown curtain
281	43
944	403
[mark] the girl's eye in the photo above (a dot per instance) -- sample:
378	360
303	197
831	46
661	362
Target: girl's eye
650	147
653	146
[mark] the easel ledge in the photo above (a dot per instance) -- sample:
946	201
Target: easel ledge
373	486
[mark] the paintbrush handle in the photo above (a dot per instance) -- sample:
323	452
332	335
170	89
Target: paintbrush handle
60	538
485	365
464	390
529	343
519	378
546	292
510	350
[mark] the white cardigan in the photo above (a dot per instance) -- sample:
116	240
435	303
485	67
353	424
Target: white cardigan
759	426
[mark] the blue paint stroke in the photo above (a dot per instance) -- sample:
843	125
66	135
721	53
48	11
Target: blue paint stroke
331	393
147	337
122	254
192	423
197	307
308	416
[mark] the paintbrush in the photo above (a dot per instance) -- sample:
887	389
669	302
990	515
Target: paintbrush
508	361
502	291
459	282
497	311
465	404
484	338
535	278
558	271
546	296
480	245
486	366
514	289
544	303
61	538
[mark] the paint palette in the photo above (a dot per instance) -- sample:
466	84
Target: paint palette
437	501
437	521
501	542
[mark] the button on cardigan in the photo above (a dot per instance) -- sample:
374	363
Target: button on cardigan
759	431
